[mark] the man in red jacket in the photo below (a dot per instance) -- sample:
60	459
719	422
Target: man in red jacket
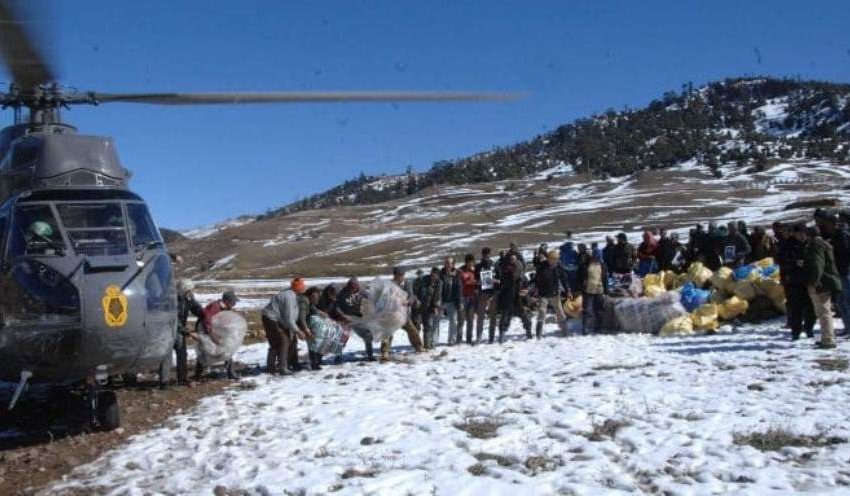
468	295
227	302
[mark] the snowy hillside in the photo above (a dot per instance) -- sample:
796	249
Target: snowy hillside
417	231
583	415
205	231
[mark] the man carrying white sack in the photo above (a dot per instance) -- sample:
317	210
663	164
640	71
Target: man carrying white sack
409	327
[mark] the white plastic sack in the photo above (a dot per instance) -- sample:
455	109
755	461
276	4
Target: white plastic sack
229	328
648	315
384	310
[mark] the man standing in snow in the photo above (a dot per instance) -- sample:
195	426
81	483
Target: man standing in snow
508	299
594	286
647	255
186	304
624	256
485	274
450	278
839	238
429	295
822	279
736	248
280	321
468	290
550	279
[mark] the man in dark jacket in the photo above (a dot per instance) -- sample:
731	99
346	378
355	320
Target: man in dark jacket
430	292
624	256
837	236
712	247
763	245
667	249
488	281
823	281
791	258
348	302
510	276
608	253
551	280
451	298
186	304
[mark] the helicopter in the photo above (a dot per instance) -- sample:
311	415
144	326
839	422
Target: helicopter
86	280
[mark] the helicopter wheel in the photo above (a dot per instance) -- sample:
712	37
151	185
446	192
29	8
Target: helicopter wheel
107	413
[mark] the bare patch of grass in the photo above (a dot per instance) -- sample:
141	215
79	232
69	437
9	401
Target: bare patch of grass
601	368
480	426
502	461
690	416
542	463
776	438
755	387
477	470
826	383
837	364
351	473
607	429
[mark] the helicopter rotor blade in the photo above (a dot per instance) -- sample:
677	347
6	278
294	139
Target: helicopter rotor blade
300	97
26	64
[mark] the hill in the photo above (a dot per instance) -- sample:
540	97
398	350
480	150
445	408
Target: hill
741	148
748	121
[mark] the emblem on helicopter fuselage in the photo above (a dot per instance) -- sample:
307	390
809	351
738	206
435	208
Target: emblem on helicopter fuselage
114	305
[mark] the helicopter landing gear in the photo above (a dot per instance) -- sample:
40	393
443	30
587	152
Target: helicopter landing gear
164	373
104	413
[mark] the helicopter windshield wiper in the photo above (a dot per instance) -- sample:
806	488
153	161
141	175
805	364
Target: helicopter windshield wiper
150	245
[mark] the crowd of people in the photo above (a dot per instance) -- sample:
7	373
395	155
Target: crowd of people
490	292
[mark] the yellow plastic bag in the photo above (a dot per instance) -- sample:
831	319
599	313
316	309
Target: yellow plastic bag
572	307
747	290
680	326
765	262
723	280
670	279
773	290
653	290
699	274
732	308
705	318
652	280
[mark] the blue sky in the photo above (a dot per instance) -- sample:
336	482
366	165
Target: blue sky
203	164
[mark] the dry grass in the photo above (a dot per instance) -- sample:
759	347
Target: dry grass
601	368
838	364
775	438
480	426
503	461
606	429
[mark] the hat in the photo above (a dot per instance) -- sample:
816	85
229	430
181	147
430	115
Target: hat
230	297
297	285
621	236
184	286
41	229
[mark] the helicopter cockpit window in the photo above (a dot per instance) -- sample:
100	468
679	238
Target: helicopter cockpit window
34	232
95	228
142	229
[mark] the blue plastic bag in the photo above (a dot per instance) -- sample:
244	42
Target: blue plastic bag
769	271
693	298
743	272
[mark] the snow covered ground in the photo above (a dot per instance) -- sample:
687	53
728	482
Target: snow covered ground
578	415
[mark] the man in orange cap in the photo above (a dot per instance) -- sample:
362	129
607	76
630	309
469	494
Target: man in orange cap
280	317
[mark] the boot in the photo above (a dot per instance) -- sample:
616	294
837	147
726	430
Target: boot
315	360
231	373
370	355
539	330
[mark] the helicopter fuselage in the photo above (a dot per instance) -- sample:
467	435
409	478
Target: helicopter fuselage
85	279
